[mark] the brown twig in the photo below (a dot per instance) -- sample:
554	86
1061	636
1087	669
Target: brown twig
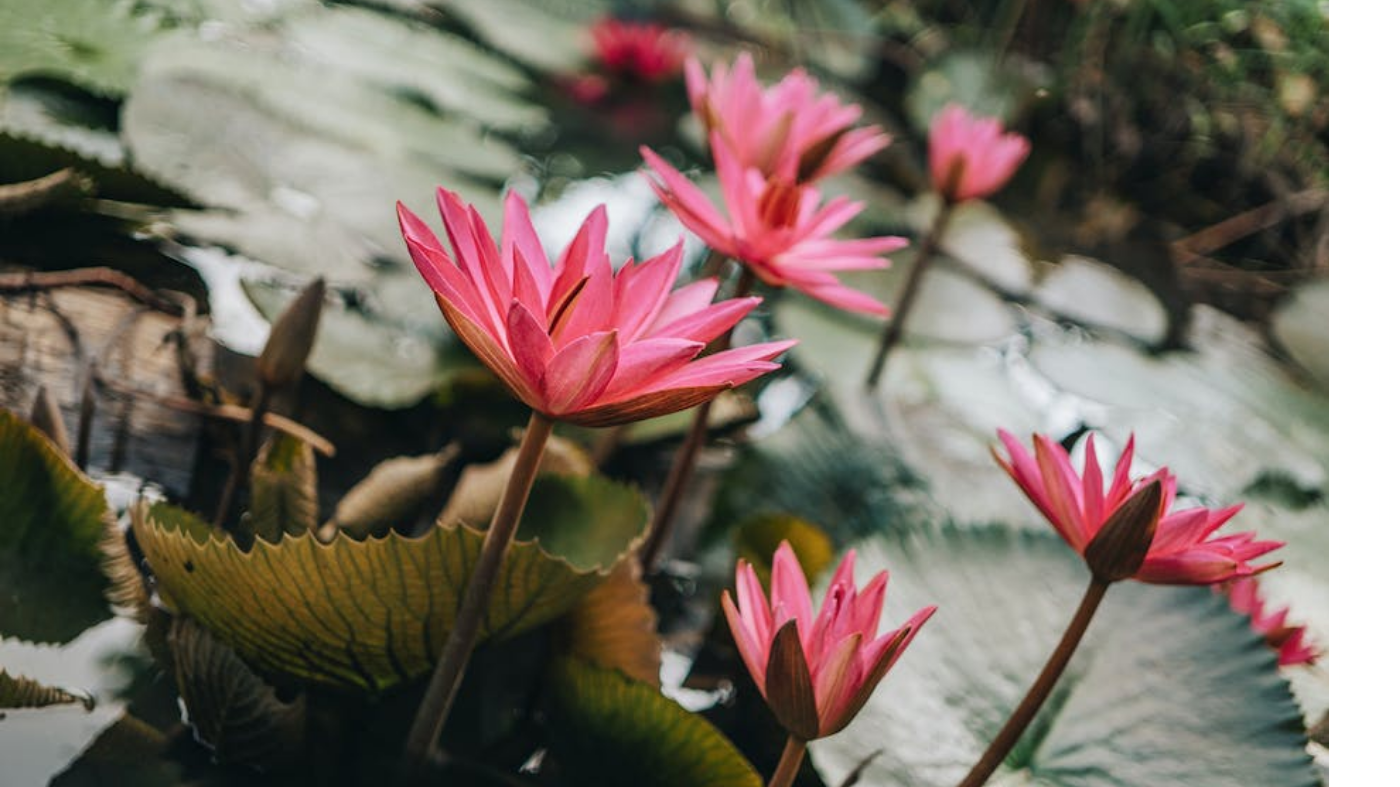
1217	236
28	281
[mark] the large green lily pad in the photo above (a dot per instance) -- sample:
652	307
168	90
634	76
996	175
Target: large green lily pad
1169	686
374	613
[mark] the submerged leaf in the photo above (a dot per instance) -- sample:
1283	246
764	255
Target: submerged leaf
612	730
233	711
282	489
614	626
21	692
374	613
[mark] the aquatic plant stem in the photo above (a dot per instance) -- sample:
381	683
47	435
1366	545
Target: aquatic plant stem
894	329
683	466
789	762
1040	690
457	651
247	449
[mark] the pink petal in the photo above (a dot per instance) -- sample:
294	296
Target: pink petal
790	588
579	372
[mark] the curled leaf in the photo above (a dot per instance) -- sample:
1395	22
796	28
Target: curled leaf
282	488
392	494
479	488
20	692
614	625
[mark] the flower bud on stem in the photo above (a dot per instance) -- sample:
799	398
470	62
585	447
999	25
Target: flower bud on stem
1120	547
457	651
1040	690
894	329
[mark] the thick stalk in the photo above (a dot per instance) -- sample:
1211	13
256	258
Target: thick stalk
1040	690
894	329
788	763
457	651
683	467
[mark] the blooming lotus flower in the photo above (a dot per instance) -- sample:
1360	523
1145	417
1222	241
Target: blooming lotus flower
971	157
1289	641
576	341
792	129
778	228
646	52
1182	551
815	671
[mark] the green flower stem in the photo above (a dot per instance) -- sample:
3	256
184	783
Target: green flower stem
457	651
683	467
1040	690
789	762
894	329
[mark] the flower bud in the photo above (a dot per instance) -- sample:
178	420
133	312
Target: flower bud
289	343
1121	545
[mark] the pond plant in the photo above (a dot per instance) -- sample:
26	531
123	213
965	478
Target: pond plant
262	521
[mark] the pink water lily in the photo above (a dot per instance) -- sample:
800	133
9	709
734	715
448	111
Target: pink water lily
792	130
971	157
644	51
1184	551
779	228
1289	640
841	657
577	341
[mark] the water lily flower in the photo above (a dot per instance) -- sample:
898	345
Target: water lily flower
644	51
815	670
971	157
777	227
577	341
1289	640
793	129
1183	550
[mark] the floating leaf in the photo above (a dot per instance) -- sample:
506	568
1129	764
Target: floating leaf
1168	687
1300	325
94	43
371	614
21	692
233	711
282	489
51	521
614	626
611	730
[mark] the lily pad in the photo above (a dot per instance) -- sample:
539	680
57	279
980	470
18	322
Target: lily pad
375	613
614	626
94	43
1169	686
52	519
613	731
1300	325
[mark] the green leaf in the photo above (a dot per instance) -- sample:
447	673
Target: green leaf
372	614
479	488
94	43
52	519
612	731
17	691
282	489
1169	686
758	539
233	711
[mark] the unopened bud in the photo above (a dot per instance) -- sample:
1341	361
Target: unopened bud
816	154
1120	547
788	685
292	336
46	418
